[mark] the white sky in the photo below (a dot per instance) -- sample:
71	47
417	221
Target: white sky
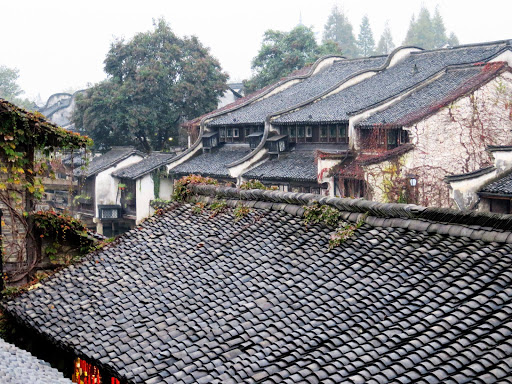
60	44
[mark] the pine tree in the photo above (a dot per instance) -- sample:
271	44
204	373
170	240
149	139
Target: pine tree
365	41
338	29
453	40
439	30
386	44
427	32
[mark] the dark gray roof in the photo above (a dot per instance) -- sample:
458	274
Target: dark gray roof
309	88
192	298
153	161
470	175
454	83
502	186
414	69
213	163
107	160
292	166
18	366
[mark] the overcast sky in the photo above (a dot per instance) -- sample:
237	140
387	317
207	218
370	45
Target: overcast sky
59	45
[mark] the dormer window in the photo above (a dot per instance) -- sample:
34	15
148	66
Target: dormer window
210	140
254	139
277	144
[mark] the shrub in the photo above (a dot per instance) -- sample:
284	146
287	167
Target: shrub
181	190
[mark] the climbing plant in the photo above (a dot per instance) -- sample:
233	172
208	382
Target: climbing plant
25	136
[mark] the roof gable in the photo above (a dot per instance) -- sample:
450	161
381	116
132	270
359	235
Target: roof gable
143	167
109	159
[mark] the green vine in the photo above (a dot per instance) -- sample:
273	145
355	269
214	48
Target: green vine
256	184
156	183
321	214
345	232
241	211
23	137
217	207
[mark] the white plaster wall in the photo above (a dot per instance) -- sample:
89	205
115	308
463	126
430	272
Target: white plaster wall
380	176
236	171
453	140
502	160
166	188
400	55
464	192
185	157
106	186
505	56
327	62
323	167
145	192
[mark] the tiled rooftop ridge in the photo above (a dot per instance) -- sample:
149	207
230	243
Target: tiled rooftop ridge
483	226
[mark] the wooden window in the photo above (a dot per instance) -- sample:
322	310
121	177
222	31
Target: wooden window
500	206
353	188
293	135
332	134
236	133
342	134
309	132
323	133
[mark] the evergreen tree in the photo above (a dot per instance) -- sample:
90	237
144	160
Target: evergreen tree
429	32
338	29
453	40
365	41
283	52
439	30
386	44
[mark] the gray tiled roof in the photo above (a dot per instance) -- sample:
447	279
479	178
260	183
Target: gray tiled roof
310	87
412	70
190	298
153	161
502	186
454	82
107	160
214	163
294	166
18	367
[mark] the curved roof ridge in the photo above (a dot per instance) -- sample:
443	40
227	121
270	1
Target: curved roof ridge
220	112
309	101
485	226
418	86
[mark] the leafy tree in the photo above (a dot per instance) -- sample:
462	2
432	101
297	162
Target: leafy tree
429	32
154	82
283	52
385	45
338	29
365	41
9	88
